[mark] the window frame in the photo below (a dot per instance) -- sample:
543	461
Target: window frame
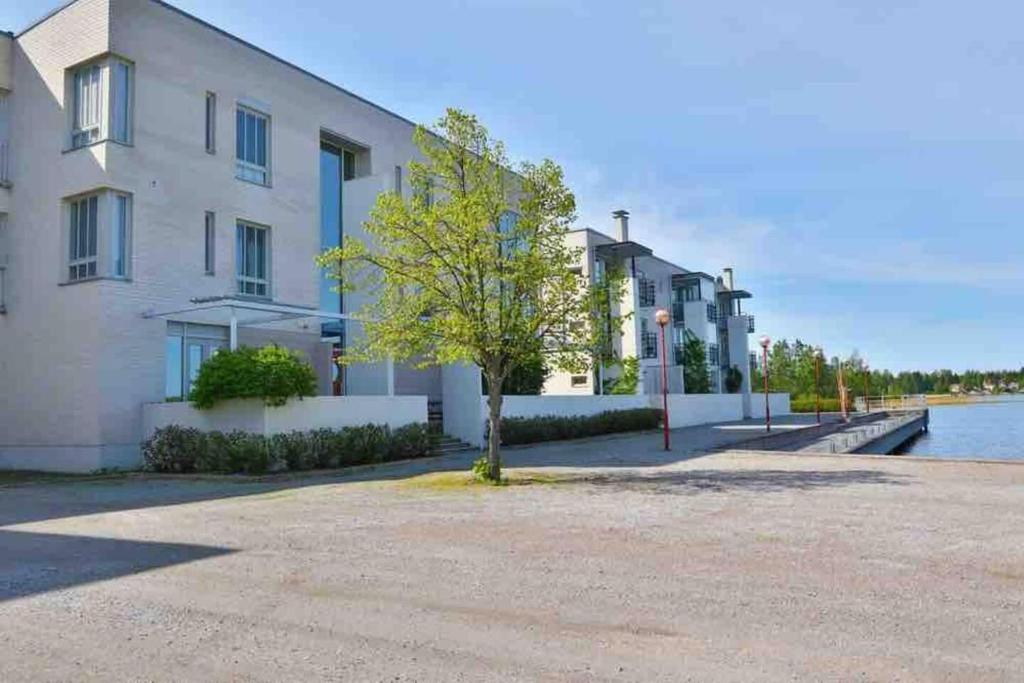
112	115
210	243
211	122
242	279
246	170
107	251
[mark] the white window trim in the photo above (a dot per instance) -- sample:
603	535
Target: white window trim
241	165
268	262
103	130
106	222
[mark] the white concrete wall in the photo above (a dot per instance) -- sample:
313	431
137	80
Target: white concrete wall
460	391
778	403
685	410
320	412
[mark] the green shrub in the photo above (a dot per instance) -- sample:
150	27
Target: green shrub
181	449
271	373
733	379
520	430
806	405
174	449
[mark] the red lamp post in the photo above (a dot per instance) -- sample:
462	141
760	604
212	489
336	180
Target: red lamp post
765	341
817	384
662	317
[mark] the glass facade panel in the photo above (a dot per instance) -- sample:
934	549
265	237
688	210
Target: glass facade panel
331	178
173	372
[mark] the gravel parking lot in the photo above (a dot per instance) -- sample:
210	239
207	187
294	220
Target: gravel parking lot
734	566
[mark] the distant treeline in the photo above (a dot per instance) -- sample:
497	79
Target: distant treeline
791	369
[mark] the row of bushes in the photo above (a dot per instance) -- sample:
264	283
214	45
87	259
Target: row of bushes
520	430
184	449
807	405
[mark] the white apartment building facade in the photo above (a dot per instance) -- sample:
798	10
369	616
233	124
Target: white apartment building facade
708	307
164	190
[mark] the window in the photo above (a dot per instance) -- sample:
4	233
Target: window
120	224
398	180
252	260
646	292
209	243
83	256
712	313
713	355
349	163
86	106
121	101
252	135
579	380
648	342
211	123
188	346
99	236
101	102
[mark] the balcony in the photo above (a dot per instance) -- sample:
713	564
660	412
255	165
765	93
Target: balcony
679	313
648	345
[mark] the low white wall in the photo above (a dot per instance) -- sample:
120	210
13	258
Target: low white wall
685	410
565	405
779	404
320	412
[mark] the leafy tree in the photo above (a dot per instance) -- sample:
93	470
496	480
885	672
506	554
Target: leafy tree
733	379
473	267
695	365
527	377
627	380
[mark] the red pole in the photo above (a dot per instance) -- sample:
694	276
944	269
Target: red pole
817	386
767	409
664	386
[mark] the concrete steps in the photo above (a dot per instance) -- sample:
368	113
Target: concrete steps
448	444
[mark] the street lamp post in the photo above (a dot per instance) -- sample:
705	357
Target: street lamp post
817	384
661	317
765	341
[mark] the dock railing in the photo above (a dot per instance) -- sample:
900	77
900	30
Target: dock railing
880	403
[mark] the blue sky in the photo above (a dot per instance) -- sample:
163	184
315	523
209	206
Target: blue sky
860	168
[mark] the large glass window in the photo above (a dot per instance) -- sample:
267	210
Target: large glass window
101	102
99	236
252	259
252	133
188	346
331	179
83	238
87	105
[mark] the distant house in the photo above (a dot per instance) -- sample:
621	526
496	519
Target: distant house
955	389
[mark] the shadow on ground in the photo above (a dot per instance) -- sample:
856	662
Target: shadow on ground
694	482
32	563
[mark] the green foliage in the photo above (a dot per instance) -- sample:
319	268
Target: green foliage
733	379
628	378
180	449
481	471
520	430
806	405
473	266
696	373
526	378
271	373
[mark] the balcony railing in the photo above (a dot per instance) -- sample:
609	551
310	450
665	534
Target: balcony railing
646	292
750	324
648	345
678	313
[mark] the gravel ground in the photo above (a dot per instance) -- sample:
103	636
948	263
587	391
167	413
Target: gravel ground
735	566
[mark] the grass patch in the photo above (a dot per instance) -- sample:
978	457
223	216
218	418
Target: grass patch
465	481
17	477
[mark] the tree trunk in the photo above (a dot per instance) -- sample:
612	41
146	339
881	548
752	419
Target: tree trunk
494	422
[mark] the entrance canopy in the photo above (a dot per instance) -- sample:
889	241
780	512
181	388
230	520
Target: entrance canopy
233	311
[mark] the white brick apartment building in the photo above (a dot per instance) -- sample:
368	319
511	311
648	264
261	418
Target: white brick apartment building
149	161
708	307
164	190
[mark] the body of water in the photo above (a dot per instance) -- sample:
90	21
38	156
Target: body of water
989	429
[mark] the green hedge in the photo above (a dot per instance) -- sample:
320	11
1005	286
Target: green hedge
272	373
520	430
806	405
184	449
